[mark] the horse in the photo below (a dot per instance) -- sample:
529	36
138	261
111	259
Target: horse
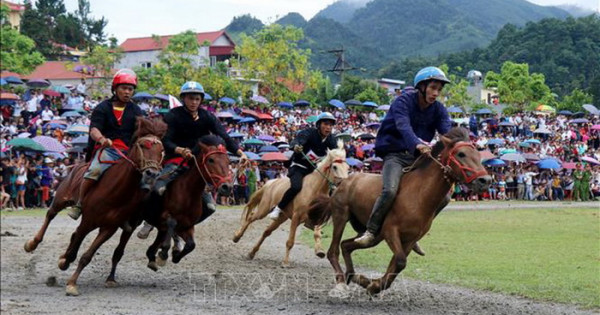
333	168
181	206
422	195
112	202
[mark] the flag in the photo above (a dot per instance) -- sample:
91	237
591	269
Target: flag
173	102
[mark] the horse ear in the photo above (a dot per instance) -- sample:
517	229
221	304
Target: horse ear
447	142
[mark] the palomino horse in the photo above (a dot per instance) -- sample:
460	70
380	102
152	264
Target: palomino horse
181	206
112	202
332	168
420	196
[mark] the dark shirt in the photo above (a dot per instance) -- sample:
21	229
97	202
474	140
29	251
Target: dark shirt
184	132
311	139
406	124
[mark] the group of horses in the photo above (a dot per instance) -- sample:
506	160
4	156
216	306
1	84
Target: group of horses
118	201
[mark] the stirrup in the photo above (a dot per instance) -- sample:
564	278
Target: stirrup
75	212
366	239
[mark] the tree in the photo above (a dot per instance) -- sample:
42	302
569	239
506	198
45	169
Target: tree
17	51
455	93
575	101
102	60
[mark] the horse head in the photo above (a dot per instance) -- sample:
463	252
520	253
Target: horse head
147	151
212	162
464	160
335	163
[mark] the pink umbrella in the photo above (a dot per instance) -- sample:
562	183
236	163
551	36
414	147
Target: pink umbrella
596	127
569	165
50	144
274	156
590	160
486	155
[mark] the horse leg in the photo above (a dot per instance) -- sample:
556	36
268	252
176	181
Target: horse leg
76	239
117	255
151	252
272	227
188	237
104	234
318	246
239	233
54	209
163	255
348	246
397	264
333	254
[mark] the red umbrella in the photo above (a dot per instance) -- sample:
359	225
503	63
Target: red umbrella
569	165
8	96
265	116
251	113
274	156
486	155
51	93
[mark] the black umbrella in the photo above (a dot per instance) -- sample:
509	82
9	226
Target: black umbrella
353	103
366	136
302	103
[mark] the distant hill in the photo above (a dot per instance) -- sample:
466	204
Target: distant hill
243	24
575	11
341	11
294	19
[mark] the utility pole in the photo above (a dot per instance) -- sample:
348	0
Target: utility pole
341	65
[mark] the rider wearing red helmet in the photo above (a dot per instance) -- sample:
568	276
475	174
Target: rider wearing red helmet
111	129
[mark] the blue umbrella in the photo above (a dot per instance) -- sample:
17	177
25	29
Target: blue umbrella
495	141
383	107
237	117
3	82
207	97
369	104
227	100
267	138
247	120
368	147
71	113
236	135
269	148
454	109
302	103
533	141
353	103
548	164
337	103
579	121
142	95
494	162
285	105
373	125
506	124
483	111
13	80
565	112
161	97
81	140
252	155
354	162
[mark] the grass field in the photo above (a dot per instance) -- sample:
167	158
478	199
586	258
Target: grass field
544	254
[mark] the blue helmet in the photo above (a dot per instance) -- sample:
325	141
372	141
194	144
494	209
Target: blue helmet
325	116
191	87
430	73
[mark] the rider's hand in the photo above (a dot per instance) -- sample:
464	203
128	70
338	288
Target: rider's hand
185	153
423	148
243	158
106	143
298	148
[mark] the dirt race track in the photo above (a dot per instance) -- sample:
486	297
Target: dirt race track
216	279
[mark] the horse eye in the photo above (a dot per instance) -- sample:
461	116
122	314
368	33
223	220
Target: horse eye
335	167
461	155
210	160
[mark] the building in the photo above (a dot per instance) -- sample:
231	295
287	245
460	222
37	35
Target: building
61	73
477	91
390	85
144	51
14	14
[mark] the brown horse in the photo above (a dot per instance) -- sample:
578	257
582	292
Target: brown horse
333	168
112	202
421	196
181	206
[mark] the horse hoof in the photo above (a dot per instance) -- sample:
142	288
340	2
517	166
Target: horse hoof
236	238
340	291
161	262
30	246
111	284
72	290
152	265
63	264
320	253
286	264
250	256
373	289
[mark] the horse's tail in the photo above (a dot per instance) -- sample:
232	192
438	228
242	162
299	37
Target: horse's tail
252	203
319	210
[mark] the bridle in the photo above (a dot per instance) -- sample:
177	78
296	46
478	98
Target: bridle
144	163
215	179
469	174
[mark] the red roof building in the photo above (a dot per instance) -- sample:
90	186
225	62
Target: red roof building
57	70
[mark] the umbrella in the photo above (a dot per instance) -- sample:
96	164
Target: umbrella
236	135
259	99
513	157
25	144
52	125
373	125
161	97
344	136
508	150
142	95
369	104
486	155
285	105
162	110
71	113
60	89
352	103
13	80
264	116
8	96
454	109
337	103
24	135
268	148
84	69
579	121
590	160
565	112
3	82
536	141
283	146
277	143
578	115
266	138
247	120
77	149
368	147
495	142
249	112
302	103
227	100
237	117
548	164
524	144
383	107
545	108
569	165
366	136
274	156
484	111
591	108
207	97
252	155
38	83
50	144
374	160
311	119
506	124
79	128
531	157
596	127
494	162
51	93
253	141
224	114
354	162
81	140
288	154
542	131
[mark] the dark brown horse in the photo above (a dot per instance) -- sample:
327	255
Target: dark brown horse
181	206
112	202
421	196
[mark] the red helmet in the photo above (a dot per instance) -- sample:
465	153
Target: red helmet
124	76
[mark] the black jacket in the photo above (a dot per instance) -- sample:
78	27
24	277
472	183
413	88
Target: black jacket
184	132
311	139
104	120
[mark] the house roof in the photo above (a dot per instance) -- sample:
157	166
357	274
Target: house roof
14	6
148	43
57	70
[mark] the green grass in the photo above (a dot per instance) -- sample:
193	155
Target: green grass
544	254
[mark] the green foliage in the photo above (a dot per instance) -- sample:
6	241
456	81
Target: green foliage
17	51
510	110
244	24
455	93
575	101
102	59
293	19
353	87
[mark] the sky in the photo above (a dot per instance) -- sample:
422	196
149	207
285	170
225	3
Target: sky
142	18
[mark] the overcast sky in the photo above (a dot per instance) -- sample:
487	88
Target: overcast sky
141	18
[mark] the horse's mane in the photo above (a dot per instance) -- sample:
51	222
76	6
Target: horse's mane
211	140
333	154
153	126
455	134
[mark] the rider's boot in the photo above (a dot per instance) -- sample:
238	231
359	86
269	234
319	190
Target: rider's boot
75	211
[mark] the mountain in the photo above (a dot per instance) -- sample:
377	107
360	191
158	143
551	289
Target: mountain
341	11
294	19
243	24
575	11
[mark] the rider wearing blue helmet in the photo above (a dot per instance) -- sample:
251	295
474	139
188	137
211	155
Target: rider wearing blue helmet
412	121
311	142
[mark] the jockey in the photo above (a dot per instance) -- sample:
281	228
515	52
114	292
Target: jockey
111	129
411	122
186	125
312	142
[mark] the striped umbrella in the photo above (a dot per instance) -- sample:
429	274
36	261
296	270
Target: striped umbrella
50	144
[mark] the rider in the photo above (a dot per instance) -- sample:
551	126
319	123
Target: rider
410	123
312	142
186	125
111	129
